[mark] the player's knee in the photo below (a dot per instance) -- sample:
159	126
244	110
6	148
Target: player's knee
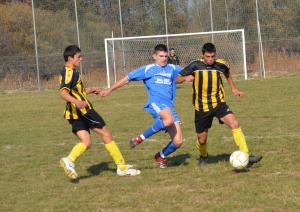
234	124
107	137
202	139
87	143
104	133
168	121
178	141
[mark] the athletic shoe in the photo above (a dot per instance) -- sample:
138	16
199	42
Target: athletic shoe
254	159
129	171
162	162
68	167
203	161
135	141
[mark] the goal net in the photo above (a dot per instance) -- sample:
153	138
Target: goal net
128	53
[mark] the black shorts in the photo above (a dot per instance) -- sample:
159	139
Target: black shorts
88	121
203	120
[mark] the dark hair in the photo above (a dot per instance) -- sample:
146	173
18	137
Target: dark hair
160	47
172	49
209	48
70	51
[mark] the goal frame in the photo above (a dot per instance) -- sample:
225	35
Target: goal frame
106	40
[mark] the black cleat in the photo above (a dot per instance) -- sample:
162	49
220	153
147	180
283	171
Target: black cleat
203	161
254	159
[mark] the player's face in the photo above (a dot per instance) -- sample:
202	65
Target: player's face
76	60
172	53
209	57
160	58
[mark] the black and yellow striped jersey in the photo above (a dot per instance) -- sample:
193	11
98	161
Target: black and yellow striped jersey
71	81
208	90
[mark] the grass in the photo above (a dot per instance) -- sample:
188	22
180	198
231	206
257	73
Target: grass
33	137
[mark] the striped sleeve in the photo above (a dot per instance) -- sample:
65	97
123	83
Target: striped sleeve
66	79
189	69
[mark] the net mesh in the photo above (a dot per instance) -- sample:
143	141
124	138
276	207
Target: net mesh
126	55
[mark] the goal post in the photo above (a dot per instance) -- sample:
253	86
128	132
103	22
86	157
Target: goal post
128	53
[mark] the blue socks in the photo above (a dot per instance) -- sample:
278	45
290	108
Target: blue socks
157	126
170	148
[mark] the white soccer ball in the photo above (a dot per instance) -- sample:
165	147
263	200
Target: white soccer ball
239	160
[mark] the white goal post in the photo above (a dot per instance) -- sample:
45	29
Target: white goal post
128	53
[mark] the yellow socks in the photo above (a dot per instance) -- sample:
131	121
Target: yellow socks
240	140
202	149
116	155
77	150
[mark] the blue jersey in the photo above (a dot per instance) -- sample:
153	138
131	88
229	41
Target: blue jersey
160	82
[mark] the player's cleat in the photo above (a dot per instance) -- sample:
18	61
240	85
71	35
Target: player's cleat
68	167
254	159
162	162
203	161
135	141
129	171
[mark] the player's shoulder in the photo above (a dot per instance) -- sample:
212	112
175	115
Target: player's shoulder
68	73
222	63
197	63
66	69
148	67
172	66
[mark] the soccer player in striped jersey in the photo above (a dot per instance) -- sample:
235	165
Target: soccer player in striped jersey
82	117
208	99
160	81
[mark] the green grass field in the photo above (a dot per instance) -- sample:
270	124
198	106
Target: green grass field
34	136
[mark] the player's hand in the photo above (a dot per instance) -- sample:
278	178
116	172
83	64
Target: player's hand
189	78
236	92
81	104
105	92
97	90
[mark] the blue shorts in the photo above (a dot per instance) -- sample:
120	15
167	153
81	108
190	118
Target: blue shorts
154	108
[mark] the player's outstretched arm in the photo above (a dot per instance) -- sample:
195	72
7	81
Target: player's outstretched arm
117	85
187	73
180	79
68	98
95	90
233	87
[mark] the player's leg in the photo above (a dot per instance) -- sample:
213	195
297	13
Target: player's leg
238	135
162	119
201	142
239	138
174	129
157	126
175	133
203	121
68	163
97	124
82	146
123	169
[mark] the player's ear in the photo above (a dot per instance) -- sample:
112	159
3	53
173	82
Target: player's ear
70	58
153	55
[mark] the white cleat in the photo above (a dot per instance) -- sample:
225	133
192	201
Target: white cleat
129	171
68	167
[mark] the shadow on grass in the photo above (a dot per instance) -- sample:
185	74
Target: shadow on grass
218	158
95	170
179	160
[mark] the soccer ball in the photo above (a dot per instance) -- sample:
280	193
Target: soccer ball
239	160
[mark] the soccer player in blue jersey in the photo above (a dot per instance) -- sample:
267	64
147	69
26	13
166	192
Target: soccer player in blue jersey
160	81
